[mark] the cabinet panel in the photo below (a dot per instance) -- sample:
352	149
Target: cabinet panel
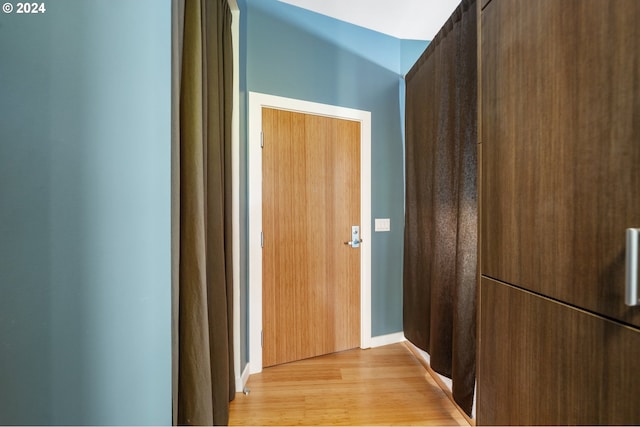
561	147
542	362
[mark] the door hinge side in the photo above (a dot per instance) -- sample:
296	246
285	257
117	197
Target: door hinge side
261	239
261	139
261	339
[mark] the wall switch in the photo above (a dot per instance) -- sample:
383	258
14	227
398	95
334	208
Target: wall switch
383	224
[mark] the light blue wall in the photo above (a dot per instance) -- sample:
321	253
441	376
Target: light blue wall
410	51
291	52
85	335
244	191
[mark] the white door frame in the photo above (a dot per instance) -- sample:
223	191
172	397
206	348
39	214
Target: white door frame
256	102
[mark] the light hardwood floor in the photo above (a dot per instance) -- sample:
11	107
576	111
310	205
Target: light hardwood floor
381	386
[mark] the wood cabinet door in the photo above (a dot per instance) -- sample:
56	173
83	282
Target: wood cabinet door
551	364
561	148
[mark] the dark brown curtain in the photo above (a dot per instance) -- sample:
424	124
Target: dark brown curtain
440	245
204	380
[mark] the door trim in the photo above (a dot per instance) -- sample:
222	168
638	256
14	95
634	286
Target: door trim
256	102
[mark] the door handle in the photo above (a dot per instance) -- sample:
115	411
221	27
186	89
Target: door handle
631	273
355	237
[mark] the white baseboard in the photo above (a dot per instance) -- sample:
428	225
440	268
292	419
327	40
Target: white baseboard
241	381
427	358
443	382
381	340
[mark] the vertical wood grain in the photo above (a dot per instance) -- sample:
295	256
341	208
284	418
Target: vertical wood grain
552	364
561	137
479	72
311	198
560	120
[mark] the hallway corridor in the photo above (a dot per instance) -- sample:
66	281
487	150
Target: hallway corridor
380	386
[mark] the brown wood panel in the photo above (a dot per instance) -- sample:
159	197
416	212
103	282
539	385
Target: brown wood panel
480	199
561	137
380	386
545	363
311	198
479	71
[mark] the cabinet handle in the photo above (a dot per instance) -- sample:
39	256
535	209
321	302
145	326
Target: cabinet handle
631	289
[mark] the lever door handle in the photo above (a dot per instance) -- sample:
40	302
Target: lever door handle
354	242
355	237
631	273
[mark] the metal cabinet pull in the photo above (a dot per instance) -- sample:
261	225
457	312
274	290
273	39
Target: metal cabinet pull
631	274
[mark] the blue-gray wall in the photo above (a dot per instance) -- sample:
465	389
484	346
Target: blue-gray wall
410	51
291	52
85	334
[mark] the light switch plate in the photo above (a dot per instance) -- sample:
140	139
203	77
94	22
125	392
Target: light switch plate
383	224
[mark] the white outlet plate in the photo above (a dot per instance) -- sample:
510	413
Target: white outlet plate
383	224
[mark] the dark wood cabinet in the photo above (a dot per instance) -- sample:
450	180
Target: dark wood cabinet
553	364
561	135
560	121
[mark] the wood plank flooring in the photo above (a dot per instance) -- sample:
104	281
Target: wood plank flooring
380	386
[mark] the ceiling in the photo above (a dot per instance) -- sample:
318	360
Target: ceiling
403	19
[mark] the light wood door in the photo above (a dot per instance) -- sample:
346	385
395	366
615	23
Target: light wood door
561	147
311	198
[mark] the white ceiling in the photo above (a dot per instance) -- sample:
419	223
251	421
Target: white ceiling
403	19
